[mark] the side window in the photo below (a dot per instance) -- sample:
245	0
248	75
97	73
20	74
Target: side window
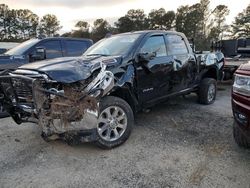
176	45
75	48
53	49
155	44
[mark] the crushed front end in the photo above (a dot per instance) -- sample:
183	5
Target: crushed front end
62	110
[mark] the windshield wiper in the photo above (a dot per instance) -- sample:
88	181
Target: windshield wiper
97	55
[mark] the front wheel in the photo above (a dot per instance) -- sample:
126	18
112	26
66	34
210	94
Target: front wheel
115	122
207	91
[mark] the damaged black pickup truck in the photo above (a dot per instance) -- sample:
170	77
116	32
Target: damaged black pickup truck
94	97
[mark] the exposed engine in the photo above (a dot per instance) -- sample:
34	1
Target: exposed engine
58	108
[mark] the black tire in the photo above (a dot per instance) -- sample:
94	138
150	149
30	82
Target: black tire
204	94
111	101
239	137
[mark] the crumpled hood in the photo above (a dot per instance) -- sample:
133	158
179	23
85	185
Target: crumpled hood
71	69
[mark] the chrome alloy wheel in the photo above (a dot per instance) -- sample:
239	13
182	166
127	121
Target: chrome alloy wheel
112	123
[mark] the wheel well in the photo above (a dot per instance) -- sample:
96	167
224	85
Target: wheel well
125	95
211	73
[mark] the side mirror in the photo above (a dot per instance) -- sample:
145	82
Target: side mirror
40	54
146	57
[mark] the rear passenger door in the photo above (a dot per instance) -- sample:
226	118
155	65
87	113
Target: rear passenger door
75	47
184	62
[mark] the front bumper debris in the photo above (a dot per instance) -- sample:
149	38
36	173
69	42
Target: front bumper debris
66	110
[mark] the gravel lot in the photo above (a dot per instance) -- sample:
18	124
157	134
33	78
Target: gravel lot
177	144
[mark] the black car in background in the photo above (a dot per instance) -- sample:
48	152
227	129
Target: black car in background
38	49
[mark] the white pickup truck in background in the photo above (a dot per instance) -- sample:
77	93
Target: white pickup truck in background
232	64
236	51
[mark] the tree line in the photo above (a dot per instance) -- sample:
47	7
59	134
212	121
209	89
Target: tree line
197	21
23	24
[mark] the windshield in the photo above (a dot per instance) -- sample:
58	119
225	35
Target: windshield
115	45
21	48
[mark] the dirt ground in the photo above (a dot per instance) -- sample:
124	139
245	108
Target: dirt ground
178	144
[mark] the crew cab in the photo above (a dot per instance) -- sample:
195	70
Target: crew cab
96	96
38	49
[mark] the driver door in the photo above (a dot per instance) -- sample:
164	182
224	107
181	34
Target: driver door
153	76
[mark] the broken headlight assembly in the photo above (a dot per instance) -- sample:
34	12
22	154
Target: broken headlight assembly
242	85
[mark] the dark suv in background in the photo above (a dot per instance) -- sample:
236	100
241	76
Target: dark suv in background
38	49
43	48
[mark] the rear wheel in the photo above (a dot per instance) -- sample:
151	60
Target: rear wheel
115	122
239	137
207	91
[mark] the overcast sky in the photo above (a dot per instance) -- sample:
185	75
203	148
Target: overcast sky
70	11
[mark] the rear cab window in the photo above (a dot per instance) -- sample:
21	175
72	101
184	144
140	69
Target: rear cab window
155	44
176	45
